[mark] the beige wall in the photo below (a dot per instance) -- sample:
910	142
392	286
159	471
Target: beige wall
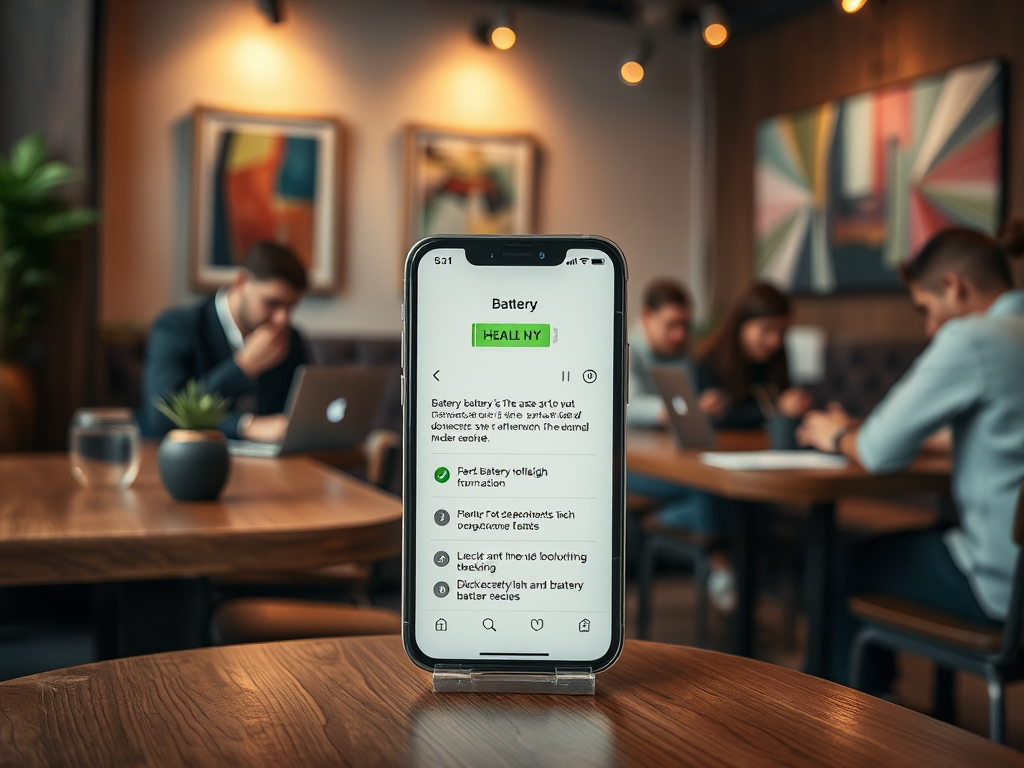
616	160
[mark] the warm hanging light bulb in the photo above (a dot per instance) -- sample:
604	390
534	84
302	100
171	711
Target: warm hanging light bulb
632	72
714	25
503	37
497	31
632	69
851	6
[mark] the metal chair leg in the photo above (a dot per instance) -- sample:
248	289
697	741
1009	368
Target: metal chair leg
861	643
945	694
645	583
996	708
701	572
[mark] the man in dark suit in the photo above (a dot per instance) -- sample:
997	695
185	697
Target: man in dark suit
239	344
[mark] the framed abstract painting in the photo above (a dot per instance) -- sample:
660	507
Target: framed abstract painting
847	191
463	183
262	177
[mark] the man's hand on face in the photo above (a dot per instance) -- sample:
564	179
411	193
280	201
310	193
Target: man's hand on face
266	429
819	428
264	348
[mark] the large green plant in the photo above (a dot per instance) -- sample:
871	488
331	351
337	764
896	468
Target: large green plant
33	220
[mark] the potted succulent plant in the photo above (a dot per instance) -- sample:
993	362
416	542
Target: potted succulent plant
32	222
193	458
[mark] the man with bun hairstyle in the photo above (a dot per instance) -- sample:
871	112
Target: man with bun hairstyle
239	344
971	380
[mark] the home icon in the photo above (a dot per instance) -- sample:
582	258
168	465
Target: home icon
585	625
441	625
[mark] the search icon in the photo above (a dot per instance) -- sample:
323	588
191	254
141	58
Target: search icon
489	624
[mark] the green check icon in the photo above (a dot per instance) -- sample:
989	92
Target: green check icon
441	474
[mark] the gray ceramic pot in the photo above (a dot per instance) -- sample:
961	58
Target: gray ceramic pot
194	465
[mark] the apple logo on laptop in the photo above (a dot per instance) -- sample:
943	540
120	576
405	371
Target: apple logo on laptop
336	410
680	406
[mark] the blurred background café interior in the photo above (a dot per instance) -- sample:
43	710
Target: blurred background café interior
754	159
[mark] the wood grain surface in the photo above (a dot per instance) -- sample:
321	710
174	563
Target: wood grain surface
274	514
653	453
360	702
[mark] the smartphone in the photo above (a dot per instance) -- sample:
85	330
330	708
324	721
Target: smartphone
514	406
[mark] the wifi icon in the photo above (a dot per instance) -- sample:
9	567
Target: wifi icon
584	260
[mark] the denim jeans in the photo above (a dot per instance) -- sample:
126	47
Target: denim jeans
682	507
914	565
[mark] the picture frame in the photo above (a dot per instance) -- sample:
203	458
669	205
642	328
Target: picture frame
461	182
847	191
266	177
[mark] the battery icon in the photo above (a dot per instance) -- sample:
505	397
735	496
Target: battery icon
597	261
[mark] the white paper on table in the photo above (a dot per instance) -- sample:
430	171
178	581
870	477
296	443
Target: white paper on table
755	460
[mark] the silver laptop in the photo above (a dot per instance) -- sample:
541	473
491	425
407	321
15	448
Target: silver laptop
330	408
688	424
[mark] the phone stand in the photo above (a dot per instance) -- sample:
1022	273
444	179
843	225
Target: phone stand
573	681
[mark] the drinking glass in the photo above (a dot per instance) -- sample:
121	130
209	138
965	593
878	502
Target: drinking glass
103	444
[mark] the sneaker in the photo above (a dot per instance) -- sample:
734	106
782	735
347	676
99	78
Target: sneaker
722	589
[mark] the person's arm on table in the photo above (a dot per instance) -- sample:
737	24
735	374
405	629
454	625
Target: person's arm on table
645	410
265	348
943	383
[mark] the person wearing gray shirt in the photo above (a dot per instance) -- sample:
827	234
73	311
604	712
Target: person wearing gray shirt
971	380
661	339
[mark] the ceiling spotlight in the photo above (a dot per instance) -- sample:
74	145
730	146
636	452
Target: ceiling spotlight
272	10
632	69
497	32
851	6
714	24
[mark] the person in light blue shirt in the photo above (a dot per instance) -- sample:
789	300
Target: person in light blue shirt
661	339
971	380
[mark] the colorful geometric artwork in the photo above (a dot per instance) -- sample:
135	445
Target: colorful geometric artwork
264	178
847	191
461	183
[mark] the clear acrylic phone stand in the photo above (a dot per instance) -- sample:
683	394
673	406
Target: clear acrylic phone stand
574	681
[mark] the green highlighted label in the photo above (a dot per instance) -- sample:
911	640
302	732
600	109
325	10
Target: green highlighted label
511	335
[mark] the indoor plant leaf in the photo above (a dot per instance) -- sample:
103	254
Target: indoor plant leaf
28	154
48	176
67	222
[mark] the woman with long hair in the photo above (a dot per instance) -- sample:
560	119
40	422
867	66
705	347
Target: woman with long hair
742	370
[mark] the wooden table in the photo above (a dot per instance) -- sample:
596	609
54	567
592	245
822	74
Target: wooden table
653	453
279	514
275	514
360	702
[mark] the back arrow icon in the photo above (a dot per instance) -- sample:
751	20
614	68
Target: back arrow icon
435	374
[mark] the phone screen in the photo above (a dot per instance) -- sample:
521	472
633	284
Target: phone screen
514	466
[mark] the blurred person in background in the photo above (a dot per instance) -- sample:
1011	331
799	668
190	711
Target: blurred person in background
742	371
239	344
661	339
970	378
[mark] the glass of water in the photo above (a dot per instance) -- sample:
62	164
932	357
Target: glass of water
103	444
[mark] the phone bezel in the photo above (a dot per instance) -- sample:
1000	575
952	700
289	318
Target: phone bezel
476	247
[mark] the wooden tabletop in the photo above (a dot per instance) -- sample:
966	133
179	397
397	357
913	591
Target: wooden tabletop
283	513
653	453
360	702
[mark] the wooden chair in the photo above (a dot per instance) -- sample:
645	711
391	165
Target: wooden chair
953	644
264	619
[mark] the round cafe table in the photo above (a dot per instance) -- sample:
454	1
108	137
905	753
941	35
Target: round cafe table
360	702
